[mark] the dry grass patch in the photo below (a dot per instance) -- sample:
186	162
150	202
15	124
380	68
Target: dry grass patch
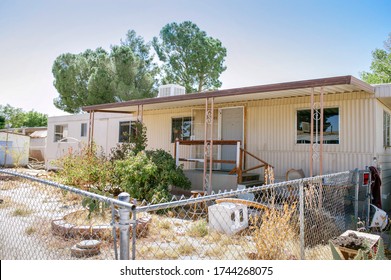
30	230
6	202
21	212
214	251
198	229
276	229
186	248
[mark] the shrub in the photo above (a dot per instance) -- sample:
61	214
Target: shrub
168	172
137	176
87	169
148	175
137	143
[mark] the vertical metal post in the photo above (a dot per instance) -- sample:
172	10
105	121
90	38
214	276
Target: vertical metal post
321	134
124	223
206	147
211	146
134	233
301	218
368	199
176	152
6	148
312	134
356	177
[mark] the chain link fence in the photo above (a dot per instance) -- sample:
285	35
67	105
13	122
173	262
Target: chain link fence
40	219
289	220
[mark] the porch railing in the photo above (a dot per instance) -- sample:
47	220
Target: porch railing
239	161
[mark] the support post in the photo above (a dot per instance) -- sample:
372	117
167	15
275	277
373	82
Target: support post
91	129
176	152
211	146
206	151
124	224
312	135
321	133
301	218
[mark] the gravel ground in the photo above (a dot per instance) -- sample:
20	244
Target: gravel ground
26	212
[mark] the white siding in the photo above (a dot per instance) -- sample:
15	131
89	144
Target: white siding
106	133
271	134
14	149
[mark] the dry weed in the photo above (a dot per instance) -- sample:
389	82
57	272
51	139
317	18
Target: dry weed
276	229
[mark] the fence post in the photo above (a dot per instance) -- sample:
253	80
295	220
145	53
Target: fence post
356	176
124	223
134	233
301	218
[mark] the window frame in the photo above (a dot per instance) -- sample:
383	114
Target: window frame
183	120
83	130
131	131
324	141
59	135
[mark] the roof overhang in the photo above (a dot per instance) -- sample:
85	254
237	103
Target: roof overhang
333	85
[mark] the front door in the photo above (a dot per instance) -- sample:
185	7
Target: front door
231	129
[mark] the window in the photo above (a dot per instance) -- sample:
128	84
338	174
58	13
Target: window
386	129
181	128
125	130
60	132
330	126
83	130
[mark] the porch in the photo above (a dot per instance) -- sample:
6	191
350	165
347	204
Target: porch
207	166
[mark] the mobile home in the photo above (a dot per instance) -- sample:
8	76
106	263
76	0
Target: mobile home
319	126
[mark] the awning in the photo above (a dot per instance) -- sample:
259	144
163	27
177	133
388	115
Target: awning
333	85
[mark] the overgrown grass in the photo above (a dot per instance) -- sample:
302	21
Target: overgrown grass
274	231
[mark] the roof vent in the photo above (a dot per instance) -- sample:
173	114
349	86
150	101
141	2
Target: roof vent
171	90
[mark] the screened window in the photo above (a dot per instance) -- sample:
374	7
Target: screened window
181	128
83	130
386	129
60	132
330	126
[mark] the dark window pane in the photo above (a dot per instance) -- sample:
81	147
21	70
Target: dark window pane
330	126
124	130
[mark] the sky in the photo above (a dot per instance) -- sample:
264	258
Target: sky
267	41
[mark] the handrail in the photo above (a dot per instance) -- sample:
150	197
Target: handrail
268	170
201	142
238	169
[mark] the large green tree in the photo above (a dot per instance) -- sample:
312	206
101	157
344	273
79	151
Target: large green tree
16	117
380	66
190	57
97	76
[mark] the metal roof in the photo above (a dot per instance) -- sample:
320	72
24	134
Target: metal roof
340	84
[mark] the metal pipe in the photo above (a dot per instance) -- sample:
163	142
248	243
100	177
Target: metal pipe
134	233
357	189
124	223
301	218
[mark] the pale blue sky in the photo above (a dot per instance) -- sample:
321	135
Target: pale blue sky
267	41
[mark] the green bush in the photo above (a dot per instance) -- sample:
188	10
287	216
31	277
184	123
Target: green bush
137	143
168	172
148	175
87	169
